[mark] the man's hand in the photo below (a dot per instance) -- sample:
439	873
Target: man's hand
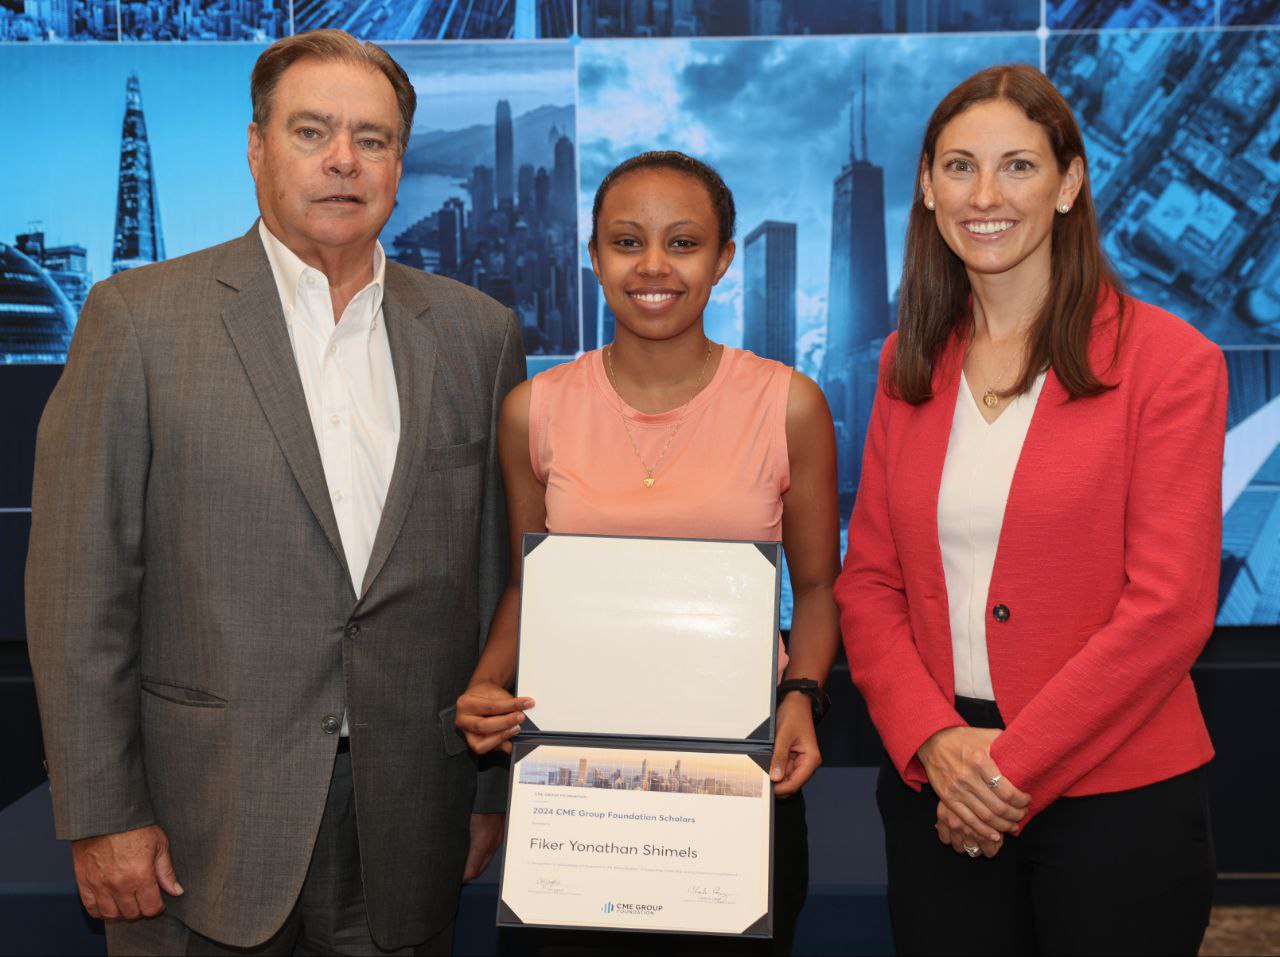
486	838
122	875
795	754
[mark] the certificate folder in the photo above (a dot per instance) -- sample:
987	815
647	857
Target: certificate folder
639	796
647	637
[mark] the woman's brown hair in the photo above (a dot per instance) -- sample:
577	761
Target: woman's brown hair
933	301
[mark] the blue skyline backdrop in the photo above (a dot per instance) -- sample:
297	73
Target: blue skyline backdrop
1183	130
744	107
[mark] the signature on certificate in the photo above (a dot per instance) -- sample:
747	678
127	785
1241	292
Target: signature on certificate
550	885
713	894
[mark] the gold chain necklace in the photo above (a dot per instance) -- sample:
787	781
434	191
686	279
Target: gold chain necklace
990	398
648	479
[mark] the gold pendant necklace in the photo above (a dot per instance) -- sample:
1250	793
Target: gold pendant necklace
648	479
990	398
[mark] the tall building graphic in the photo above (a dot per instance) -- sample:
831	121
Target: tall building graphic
769	320
564	181
504	155
481	188
858	297
138	238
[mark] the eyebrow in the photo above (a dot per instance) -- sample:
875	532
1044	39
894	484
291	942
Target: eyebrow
326	119
633	223
1005	155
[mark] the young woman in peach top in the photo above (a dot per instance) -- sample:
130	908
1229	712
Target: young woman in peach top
665	433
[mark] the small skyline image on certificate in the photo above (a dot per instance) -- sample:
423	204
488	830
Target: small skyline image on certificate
659	772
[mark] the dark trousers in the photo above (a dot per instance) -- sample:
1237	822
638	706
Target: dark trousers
790	888
329	917
1130	872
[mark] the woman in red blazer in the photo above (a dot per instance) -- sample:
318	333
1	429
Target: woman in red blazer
1033	560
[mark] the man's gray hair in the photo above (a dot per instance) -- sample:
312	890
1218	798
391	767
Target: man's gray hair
329	45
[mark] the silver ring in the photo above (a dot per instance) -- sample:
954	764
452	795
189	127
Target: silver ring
995	781
972	851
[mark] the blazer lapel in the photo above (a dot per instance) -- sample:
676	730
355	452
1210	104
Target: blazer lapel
255	322
933	438
413	356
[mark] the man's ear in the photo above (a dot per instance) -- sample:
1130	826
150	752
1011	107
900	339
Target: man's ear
255	150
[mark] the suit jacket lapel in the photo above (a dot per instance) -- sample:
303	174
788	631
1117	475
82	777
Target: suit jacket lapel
255	322
934	436
413	356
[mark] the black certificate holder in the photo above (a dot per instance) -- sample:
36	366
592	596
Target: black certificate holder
754	742
523	746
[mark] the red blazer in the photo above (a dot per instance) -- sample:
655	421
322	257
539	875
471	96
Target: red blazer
1107	562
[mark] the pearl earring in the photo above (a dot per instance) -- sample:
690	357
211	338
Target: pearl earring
1064	208
928	204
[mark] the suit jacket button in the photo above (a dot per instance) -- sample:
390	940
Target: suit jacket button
1000	613
330	724
353	630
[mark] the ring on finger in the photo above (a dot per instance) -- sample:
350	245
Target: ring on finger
972	850
994	782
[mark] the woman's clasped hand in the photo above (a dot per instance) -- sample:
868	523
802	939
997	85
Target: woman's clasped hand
977	805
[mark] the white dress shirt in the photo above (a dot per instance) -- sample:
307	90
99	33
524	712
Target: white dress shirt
350	387
976	476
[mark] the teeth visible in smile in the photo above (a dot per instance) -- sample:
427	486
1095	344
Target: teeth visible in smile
994	226
653	296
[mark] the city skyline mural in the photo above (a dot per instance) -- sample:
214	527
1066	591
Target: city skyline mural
841	202
524	105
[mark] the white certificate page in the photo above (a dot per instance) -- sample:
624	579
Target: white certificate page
637	839
649	637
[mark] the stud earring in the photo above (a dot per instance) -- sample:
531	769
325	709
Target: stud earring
1064	208
928	204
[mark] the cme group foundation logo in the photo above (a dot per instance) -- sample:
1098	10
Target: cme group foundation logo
634	910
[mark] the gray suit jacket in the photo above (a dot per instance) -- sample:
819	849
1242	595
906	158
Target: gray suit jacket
191	621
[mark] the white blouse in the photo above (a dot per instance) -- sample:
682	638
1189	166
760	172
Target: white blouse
976	476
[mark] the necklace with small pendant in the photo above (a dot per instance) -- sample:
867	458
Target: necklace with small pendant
991	398
649	479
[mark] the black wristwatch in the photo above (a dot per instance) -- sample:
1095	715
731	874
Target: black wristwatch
810	688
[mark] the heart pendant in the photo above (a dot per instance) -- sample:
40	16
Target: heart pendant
990	399
648	482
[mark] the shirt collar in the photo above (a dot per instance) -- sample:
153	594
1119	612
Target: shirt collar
288	269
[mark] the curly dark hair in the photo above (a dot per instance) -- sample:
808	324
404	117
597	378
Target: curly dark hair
721	197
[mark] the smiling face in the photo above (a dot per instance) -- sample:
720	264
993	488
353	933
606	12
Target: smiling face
658	252
996	185
327	164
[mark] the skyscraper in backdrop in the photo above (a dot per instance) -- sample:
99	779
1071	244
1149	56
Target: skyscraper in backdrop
504	154
769	306
138	238
858	298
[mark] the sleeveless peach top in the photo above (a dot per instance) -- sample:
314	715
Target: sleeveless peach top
723	475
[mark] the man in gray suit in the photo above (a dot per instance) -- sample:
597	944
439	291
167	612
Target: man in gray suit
267	536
